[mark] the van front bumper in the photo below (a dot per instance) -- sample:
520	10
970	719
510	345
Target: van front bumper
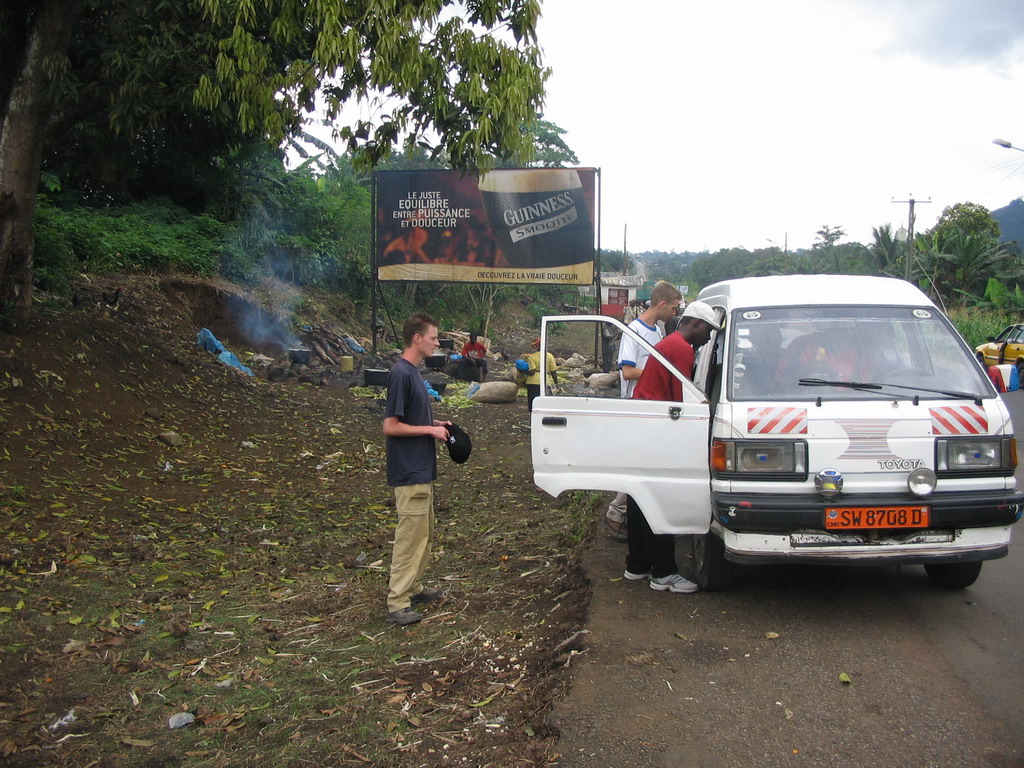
772	529
777	513
910	548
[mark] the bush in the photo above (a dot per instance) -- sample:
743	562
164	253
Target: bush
154	236
976	324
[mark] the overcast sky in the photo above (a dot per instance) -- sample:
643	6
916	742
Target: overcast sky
752	122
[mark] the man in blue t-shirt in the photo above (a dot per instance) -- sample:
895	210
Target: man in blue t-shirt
411	430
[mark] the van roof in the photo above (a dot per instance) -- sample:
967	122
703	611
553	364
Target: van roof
795	290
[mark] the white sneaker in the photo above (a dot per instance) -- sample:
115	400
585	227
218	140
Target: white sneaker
635	576
673	583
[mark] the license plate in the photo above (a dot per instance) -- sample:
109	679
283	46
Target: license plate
859	518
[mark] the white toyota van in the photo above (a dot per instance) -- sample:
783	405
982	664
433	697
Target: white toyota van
833	419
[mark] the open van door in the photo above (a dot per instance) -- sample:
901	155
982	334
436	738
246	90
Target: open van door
655	451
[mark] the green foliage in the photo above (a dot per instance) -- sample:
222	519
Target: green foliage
144	237
124	126
1002	297
444	74
886	252
964	219
957	264
308	230
780	264
674	267
726	264
549	149
977	325
828	236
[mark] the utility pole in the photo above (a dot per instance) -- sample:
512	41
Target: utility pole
910	232
625	253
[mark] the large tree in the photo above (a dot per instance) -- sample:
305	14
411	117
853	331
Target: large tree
964	218
459	77
34	36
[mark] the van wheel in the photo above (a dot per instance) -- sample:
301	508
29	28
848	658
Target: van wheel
953	575
711	571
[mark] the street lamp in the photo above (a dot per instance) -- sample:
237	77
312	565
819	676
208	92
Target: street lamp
1006	145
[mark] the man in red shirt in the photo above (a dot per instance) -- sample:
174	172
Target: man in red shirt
652	556
476	352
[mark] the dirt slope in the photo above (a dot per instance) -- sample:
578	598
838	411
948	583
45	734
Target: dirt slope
239	577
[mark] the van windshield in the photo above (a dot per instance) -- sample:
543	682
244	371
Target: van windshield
907	347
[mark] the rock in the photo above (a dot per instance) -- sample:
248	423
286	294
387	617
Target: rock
496	392
172	439
277	373
603	380
155	413
180	720
261	361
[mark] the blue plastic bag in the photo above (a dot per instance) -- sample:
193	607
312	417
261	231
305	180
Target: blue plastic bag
208	341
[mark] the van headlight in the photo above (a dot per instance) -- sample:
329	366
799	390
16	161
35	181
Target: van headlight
766	459
965	456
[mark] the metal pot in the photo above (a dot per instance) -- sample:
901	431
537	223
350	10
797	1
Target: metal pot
376	377
447	343
299	356
435	362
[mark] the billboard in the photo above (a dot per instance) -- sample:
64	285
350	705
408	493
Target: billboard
522	225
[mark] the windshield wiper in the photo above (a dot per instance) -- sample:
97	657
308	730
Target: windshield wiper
847	384
868	385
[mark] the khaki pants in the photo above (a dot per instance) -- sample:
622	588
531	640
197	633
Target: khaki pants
413	537
617	508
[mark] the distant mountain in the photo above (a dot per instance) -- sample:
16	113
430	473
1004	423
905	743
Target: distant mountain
1011	221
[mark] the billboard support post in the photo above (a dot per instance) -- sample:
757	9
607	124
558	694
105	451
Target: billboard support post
373	261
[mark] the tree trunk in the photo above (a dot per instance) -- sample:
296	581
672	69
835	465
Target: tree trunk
36	43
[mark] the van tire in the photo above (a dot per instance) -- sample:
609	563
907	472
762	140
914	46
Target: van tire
953	575
711	571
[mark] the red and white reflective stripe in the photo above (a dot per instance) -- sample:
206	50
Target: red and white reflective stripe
959	420
777	421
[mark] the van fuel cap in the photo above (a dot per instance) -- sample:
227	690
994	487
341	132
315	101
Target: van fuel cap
828	482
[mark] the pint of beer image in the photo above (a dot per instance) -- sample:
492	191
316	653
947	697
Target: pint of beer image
539	216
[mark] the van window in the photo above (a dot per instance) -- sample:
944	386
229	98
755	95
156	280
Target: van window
771	349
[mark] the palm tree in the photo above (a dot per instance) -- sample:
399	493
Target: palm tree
886	251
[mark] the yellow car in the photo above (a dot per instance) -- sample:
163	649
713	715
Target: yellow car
1007	347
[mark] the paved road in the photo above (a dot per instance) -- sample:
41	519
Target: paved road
751	677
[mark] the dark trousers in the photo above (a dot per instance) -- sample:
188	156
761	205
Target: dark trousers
532	393
607	354
647	551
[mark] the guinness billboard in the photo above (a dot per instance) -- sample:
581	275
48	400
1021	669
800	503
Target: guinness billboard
526	225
